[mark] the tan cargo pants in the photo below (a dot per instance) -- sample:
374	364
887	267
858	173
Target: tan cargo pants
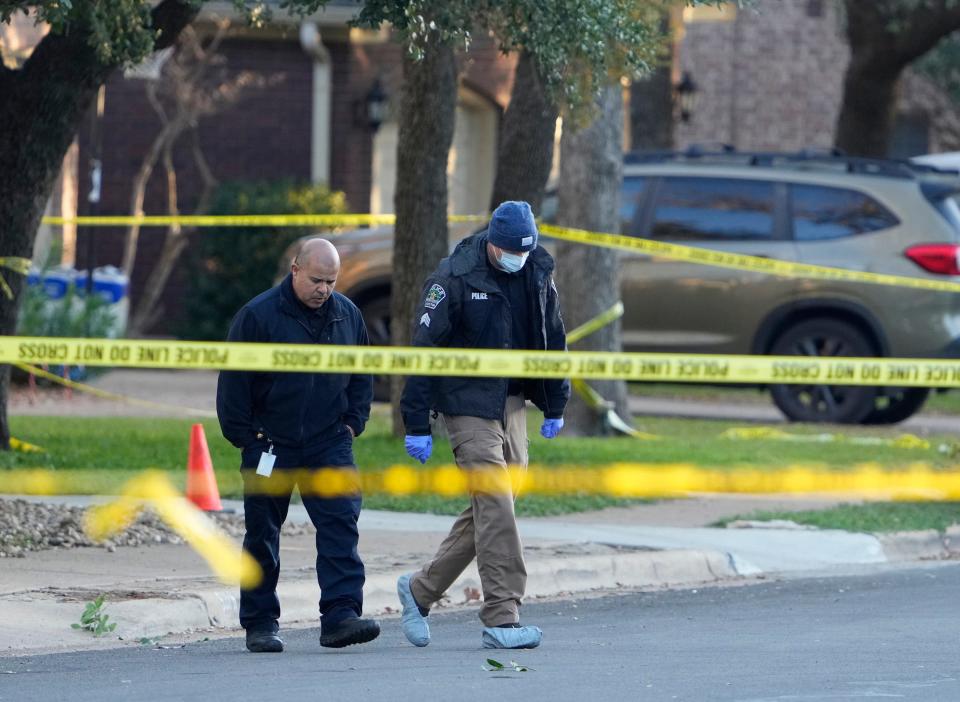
487	529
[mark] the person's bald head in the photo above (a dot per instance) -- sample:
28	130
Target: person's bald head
315	270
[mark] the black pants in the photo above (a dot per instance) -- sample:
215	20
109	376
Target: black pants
339	568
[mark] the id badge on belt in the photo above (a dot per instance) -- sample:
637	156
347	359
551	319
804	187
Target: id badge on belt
267	459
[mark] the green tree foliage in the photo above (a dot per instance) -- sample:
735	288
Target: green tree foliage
119	31
43	102
578	44
230	265
942	65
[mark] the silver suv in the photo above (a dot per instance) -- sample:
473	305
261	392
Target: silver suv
859	214
824	209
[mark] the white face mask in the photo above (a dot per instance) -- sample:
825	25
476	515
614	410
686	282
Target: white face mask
511	263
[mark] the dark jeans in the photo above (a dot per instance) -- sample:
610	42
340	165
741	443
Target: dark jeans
339	568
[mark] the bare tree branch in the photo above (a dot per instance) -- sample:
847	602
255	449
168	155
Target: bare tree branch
167	133
925	30
206	174
194	85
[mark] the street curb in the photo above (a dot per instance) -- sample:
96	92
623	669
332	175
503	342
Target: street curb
149	614
545	578
928	544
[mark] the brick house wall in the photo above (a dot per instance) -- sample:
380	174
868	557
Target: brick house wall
772	79
265	136
355	67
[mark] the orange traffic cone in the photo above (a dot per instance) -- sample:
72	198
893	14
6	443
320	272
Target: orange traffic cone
201	482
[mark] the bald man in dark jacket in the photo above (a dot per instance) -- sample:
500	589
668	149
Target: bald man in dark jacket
284	422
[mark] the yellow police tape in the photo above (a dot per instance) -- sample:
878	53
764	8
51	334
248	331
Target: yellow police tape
864	481
743	262
103	394
599	322
590	396
24	446
287	220
651	247
258	220
693	368
153	489
903	441
15	264
596	402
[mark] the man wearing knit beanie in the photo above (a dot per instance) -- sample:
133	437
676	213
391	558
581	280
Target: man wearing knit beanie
513	228
495	291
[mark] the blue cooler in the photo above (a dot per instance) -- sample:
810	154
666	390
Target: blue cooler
55	281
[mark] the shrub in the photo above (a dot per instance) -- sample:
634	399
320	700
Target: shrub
72	315
227	266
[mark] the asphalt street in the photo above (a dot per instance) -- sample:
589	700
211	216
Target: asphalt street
883	633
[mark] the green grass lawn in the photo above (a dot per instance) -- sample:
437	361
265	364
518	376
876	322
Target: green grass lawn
870	517
102	453
937	403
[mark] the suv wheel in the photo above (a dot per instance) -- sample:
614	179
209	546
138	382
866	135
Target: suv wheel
896	404
837	404
376	315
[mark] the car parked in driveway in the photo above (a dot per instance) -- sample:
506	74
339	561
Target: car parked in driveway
859	214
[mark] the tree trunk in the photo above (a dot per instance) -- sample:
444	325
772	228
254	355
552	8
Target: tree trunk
427	114
651	111
526	139
42	107
865	124
591	173
651	105
884	39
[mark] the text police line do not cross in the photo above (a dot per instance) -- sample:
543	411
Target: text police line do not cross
483	362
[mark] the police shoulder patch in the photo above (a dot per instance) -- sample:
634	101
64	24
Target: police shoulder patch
435	296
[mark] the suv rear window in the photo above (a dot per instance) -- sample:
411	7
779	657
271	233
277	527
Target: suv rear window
832	213
699	209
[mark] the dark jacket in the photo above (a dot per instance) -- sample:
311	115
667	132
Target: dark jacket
293	409
462	307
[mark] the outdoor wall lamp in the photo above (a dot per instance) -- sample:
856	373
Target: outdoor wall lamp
685	96
372	110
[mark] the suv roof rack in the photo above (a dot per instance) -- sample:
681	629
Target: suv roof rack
819	159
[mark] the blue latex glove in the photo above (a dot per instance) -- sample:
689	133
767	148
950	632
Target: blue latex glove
551	427
419	447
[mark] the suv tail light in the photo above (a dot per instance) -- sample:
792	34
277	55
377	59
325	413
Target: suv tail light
936	258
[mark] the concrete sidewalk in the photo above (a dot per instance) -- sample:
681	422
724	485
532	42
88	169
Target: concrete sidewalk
158	590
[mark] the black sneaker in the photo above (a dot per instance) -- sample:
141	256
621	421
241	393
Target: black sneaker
264	642
351	631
